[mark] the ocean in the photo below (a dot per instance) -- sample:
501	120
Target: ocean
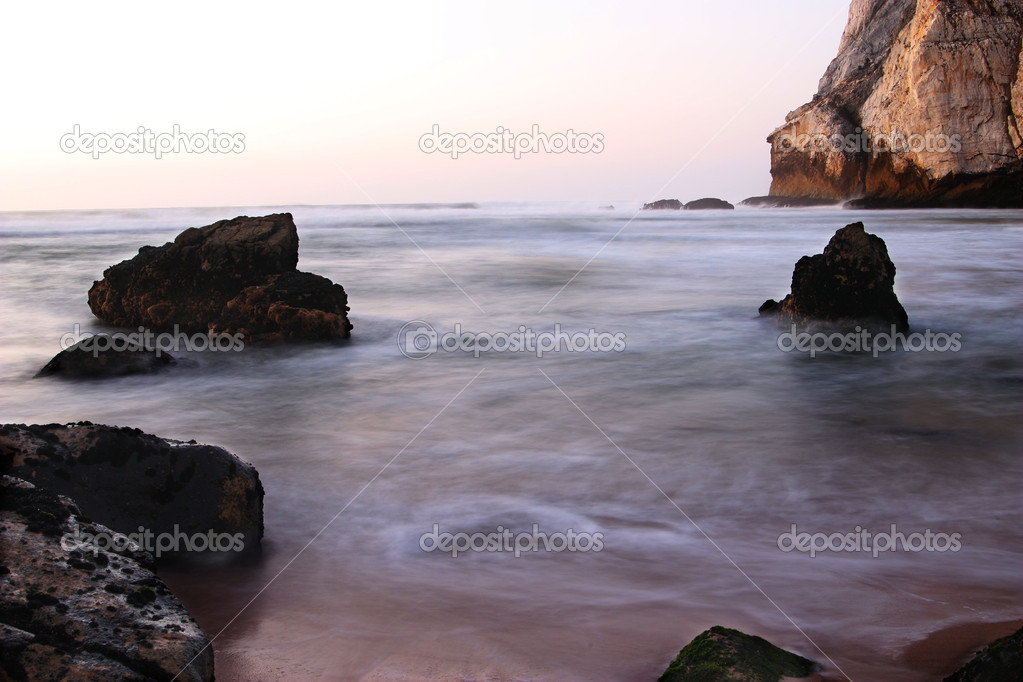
682	451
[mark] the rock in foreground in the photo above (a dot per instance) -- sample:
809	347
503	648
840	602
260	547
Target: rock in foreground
1001	661
73	614
923	106
850	284
724	655
124	478
234	276
92	359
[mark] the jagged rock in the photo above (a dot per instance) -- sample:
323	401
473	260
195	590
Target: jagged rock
93	358
708	203
769	201
85	613
1000	661
725	655
663	205
850	284
234	276
285	303
923	106
124	478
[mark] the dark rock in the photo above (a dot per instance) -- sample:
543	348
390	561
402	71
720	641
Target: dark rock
234	276
124	478
299	304
787	202
59	619
1000	661
1002	188
850	284
664	205
708	203
724	655
94	358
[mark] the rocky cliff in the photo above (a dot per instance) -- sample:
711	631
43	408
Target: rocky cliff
923	106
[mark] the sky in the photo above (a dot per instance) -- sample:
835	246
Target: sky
312	103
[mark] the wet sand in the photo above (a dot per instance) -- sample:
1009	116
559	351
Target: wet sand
943	652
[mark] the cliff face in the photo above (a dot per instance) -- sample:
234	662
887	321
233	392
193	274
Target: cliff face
922	106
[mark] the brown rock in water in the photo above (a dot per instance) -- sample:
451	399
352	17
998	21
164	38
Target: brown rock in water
80	612
923	106
124	478
850	284
234	276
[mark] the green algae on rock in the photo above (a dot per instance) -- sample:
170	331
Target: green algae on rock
724	655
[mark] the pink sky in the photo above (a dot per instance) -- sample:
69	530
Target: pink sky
331	102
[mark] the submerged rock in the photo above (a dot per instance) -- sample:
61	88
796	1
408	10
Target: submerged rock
234	276
724	655
1000	661
94	358
707	203
124	479
96	614
769	201
923	106
850	284
663	205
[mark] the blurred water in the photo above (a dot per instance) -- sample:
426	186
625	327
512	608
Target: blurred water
744	439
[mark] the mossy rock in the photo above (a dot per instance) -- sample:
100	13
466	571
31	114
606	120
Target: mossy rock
1000	661
724	655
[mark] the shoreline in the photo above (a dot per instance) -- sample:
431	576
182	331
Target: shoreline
947	650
